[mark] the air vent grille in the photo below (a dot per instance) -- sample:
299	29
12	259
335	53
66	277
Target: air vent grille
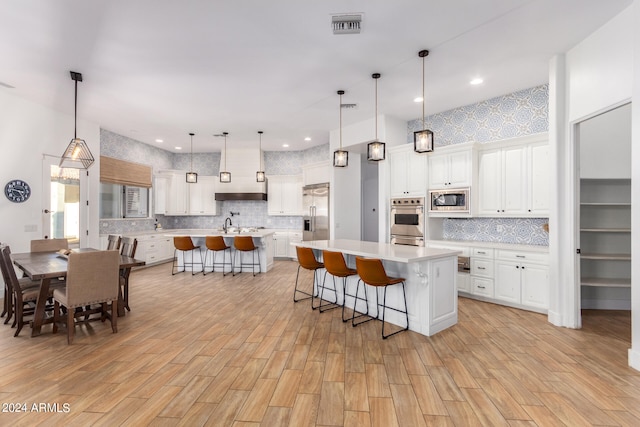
349	106
346	24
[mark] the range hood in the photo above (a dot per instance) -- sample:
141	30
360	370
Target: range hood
243	164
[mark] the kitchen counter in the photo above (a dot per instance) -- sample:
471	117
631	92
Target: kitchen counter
494	245
430	274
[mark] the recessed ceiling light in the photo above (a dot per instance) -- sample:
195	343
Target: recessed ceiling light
476	81
418	99
178	148
159	140
308	138
285	145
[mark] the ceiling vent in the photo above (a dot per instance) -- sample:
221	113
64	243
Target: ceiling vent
346	24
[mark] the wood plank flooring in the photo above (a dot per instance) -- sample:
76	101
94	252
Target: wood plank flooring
236	351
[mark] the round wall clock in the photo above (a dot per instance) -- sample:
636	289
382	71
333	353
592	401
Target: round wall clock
17	191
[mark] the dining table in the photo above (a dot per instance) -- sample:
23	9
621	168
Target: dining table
48	266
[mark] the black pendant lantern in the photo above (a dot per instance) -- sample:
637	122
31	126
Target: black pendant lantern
376	149
77	155
224	175
260	176
340	157
423	139
191	176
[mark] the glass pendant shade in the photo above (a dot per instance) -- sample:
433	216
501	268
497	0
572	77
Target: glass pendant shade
376	151
77	155
340	158
423	141
225	176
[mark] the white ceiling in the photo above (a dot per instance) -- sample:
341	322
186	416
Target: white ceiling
161	69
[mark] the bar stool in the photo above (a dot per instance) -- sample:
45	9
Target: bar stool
337	267
216	244
307	260
185	244
245	244
372	273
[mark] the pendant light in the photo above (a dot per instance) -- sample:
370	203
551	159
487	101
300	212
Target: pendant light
340	157
77	155
225	176
192	177
376	149
260	176
423	139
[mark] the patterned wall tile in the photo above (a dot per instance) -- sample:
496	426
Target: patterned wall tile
522	231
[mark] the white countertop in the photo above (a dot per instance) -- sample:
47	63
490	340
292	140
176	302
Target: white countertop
260	233
494	245
385	251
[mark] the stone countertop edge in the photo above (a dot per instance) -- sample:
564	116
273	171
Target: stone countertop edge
494	245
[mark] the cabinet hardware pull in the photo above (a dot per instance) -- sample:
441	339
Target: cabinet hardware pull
520	256
481	252
481	268
481	287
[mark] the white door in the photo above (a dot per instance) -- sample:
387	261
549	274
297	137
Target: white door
63	214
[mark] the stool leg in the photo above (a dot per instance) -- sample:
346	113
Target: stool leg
355	302
324	307
406	312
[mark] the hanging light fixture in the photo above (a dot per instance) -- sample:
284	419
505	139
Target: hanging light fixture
260	176
376	149
340	157
423	139
225	176
192	177
77	155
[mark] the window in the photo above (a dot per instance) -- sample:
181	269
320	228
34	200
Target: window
123	201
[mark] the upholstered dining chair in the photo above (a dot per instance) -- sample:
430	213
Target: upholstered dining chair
23	292
92	278
128	248
49	245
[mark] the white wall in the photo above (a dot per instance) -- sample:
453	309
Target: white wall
27	131
599	76
634	351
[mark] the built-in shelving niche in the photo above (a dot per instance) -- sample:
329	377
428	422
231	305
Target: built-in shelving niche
605	243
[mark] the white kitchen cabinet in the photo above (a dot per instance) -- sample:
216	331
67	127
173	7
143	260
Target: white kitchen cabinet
481	277
451	168
154	248
408	172
171	193
316	173
522	278
294	237
202	196
463	279
513	178
160	193
284	195
280	244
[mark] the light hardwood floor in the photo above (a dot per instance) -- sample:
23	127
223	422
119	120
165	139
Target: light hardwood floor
236	351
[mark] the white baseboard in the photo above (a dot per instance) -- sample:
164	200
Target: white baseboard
634	359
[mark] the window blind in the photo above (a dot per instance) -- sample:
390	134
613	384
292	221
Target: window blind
118	171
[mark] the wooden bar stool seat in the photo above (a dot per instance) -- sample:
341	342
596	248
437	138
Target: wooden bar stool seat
244	244
372	273
337	267
216	244
184	244
308	261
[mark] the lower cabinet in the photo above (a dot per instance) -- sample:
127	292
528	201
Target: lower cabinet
282	243
154	248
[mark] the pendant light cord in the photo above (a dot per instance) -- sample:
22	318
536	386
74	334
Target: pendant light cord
75	113
376	79
259	148
340	107
423	93
191	169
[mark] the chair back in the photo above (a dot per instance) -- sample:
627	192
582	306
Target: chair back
113	242
307	259
335	264
92	277
183	243
49	245
128	246
244	243
8	272
215	243
371	271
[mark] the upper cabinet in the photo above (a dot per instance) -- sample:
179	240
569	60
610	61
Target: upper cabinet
451	167
513	178
284	195
408	172
174	196
316	173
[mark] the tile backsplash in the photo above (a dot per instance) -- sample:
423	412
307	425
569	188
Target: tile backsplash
521	231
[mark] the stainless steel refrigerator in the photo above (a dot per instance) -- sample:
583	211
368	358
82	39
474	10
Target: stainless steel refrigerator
315	207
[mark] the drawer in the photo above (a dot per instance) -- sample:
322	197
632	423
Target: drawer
482	253
480	286
482	267
533	257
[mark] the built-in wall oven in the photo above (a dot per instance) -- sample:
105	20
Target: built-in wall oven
407	221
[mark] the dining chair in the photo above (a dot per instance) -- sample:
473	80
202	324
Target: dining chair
113	242
372	273
23	292
128	248
49	245
92	278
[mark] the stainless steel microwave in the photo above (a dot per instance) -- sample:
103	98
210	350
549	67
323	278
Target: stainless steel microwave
449	200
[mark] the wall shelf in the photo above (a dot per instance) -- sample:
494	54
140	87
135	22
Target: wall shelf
608	283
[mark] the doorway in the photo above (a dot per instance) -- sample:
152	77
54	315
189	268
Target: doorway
370	217
60	201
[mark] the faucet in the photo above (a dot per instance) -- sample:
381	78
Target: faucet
224	227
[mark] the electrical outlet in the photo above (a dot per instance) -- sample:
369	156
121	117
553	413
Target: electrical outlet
499	228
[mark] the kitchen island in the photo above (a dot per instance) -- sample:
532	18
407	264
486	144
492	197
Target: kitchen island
431	290
262	238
